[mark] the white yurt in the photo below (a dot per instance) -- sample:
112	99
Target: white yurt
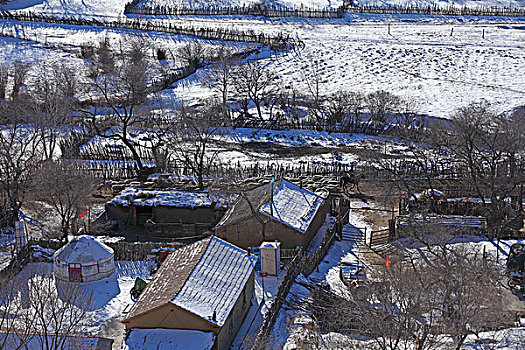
83	259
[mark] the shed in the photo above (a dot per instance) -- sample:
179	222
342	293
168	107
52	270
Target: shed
205	286
138	207
83	259
282	211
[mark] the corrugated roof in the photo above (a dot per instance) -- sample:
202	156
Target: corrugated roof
170	278
216	282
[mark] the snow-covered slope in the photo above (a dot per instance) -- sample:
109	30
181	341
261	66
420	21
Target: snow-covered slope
69	7
443	3
116	7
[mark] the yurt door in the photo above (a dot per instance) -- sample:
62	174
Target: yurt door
75	272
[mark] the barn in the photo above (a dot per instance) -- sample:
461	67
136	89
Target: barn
280	211
206	286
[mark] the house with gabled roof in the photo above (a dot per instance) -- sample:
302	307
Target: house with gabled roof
281	211
206	286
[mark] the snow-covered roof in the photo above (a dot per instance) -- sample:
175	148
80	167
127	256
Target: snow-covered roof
216	282
445	220
83	249
167	198
429	193
173	339
270	245
293	206
14	340
204	277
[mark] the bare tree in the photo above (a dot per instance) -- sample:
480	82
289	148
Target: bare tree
4	75
255	82
58	308
488	147
12	315
119	89
382	105
312	76
355	102
219	76
66	189
54	91
418	302
38	311
196	130
193	54
337	109
20	155
20	71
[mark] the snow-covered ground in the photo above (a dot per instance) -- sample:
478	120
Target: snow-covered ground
69	7
263	298
110	295
293	324
441	62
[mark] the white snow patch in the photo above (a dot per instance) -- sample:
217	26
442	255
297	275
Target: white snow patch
173	339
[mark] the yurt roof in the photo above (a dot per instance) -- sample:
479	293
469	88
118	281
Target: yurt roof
83	249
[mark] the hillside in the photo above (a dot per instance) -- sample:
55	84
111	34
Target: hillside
116	7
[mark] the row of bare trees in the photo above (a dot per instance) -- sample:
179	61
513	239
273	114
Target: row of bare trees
254	84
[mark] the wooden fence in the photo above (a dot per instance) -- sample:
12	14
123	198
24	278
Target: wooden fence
302	263
379	237
265	11
438	10
292	271
279	40
130	251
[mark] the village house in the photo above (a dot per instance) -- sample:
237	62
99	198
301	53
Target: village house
165	209
206	286
280	211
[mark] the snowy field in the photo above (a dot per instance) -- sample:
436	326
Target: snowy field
247	147
422	62
116	7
